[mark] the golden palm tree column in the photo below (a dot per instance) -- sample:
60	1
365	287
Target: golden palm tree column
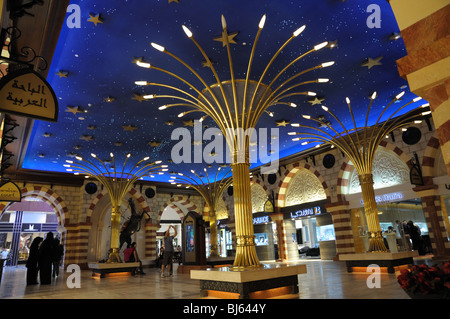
115	233
245	239
213	233
376	243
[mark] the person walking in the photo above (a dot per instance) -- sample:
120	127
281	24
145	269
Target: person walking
45	260
32	261
168	251
59	252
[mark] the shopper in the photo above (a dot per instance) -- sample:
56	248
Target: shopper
168	251
131	256
59	252
414	233
45	261
32	262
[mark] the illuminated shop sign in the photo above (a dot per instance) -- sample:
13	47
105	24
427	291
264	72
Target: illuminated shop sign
385	198
261	220
311	211
31	228
305	210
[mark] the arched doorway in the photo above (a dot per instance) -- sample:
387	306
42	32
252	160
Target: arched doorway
22	222
100	232
302	197
172	215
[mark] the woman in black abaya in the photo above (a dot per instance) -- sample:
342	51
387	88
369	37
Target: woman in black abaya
32	262
46	254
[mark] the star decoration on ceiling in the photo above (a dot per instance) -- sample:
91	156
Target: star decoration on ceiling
138	97
169	123
316	100
176	1
136	59
129	128
224	37
74	110
282	123
207	64
95	19
62	74
154	143
370	63
333	44
188	123
92	127
109	99
77	147
87	138
118	143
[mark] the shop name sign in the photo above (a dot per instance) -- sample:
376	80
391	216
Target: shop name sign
31	228
10	192
26	93
311	211
261	220
386	197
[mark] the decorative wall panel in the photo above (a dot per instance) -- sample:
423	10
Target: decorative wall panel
259	198
387	169
304	187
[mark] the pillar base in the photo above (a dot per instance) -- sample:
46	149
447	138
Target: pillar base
114	256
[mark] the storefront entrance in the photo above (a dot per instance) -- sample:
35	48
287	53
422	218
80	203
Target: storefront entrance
20	223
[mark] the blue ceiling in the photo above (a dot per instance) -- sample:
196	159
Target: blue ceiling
99	59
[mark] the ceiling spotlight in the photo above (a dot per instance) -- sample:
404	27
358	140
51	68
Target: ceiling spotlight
299	30
320	46
158	47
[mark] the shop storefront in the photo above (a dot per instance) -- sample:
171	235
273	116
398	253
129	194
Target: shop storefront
266	237
309	231
396	205
224	239
18	229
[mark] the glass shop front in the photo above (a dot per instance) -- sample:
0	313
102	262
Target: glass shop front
309	231
18	229
399	210
266	236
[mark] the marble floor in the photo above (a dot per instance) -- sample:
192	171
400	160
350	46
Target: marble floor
324	280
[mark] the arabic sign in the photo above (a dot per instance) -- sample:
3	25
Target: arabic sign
305	210
10	192
31	228
26	93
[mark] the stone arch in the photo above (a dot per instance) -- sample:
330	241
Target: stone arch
49	196
430	156
287	177
175	203
347	168
259	196
132	192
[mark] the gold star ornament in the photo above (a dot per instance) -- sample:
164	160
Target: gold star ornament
138	97
74	110
316	100
226	36
154	143
129	128
95	19
370	63
282	123
62	74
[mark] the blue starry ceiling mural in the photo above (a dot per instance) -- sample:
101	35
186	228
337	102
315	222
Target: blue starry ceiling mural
96	66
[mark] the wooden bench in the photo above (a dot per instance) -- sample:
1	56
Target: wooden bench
109	268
